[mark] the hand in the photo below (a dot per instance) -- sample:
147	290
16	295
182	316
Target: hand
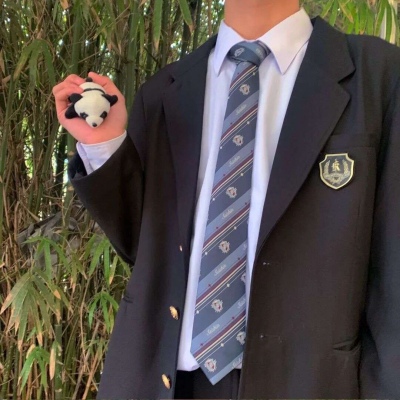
115	123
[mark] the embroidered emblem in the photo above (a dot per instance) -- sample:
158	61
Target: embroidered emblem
245	89
217	305
243	277
240	337
224	246
211	364
239	51
231	192
238	140
336	170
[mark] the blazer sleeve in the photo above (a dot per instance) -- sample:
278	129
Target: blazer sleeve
380	357
113	193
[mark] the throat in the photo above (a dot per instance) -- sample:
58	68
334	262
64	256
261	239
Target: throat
253	18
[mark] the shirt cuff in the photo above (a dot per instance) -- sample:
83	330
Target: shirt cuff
95	155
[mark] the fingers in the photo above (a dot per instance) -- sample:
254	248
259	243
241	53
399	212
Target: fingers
100	79
61	93
74	79
106	82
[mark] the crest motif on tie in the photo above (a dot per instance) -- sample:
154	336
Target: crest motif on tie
211	364
224	246
239	51
217	305
240	337
231	192
238	140
245	89
336	170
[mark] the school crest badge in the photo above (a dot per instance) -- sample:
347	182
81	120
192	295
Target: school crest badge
336	170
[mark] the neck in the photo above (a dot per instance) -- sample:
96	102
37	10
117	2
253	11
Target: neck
252	18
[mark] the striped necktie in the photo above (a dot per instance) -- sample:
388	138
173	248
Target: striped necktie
220	313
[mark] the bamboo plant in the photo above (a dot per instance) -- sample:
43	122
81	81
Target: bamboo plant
60	279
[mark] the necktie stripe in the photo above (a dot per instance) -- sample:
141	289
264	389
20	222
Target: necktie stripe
239	123
246	72
203	336
221	336
228	178
229	275
228	213
235	112
242	215
233	162
220	311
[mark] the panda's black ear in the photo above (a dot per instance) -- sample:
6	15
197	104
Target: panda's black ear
89	79
71	113
111	98
74	97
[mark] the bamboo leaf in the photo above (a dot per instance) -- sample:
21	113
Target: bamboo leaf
52	362
18	291
389	21
22	322
26	369
22	61
334	13
157	20
106	262
344	8
96	256
103	302
64	4
48	59
379	18
327	8
187	17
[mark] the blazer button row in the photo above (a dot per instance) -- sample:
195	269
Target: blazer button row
166	380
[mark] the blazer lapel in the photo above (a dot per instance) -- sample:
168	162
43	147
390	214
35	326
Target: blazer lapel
183	104
316	104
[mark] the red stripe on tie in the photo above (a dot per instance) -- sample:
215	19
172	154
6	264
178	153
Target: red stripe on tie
235	218
230	272
241	119
211	342
233	172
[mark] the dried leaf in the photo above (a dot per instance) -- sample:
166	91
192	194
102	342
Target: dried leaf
64	4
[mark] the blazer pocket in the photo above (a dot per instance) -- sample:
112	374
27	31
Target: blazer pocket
340	142
348	347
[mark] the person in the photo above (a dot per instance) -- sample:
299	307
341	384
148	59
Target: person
285	132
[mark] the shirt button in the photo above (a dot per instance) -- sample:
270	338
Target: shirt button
166	381
174	312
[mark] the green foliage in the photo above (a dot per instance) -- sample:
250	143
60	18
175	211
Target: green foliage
60	279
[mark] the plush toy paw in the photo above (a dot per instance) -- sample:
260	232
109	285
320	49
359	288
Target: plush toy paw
93	105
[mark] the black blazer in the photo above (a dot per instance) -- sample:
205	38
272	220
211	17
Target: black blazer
324	311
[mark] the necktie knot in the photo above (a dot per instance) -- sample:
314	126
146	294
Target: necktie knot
252	52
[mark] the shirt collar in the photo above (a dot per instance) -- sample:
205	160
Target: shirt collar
284	40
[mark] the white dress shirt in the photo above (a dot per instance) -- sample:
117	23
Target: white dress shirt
288	43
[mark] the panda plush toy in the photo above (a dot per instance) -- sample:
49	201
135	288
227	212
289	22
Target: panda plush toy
93	105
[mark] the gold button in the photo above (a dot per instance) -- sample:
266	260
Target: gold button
166	380
174	312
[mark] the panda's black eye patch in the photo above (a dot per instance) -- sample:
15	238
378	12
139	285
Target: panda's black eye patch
84	115
103	114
